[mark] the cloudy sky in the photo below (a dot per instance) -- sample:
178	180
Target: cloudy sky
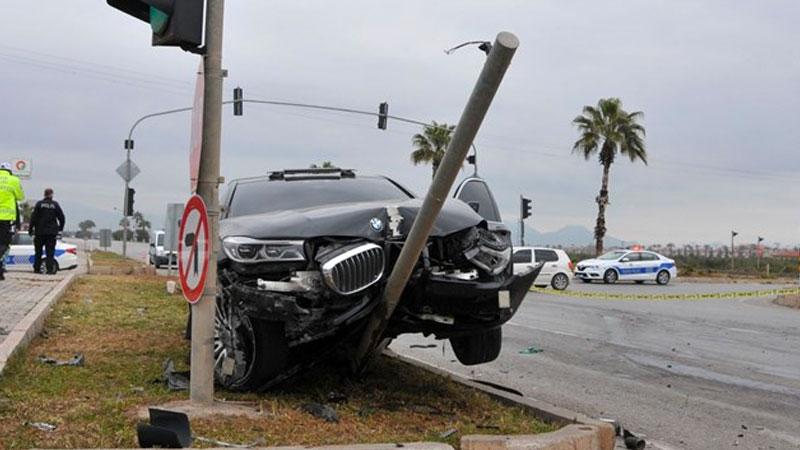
718	81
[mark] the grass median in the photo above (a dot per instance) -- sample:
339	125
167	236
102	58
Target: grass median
126	326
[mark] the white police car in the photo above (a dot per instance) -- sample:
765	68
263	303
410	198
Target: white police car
627	265
20	254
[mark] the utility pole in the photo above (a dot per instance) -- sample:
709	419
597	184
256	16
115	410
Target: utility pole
202	360
498	60
733	235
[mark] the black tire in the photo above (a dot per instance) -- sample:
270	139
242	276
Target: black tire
261	344
663	277
478	348
639	281
610	277
559	282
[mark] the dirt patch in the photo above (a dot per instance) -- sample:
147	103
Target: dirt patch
127	326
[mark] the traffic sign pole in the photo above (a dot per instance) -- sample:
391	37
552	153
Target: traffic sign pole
201	386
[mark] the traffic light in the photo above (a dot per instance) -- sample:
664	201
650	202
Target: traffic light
526	207
471	159
129	202
383	115
238	105
176	23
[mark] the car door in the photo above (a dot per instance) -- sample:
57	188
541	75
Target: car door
650	262
20	253
550	260
628	266
522	259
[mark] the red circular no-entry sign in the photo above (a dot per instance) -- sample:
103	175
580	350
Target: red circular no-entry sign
194	248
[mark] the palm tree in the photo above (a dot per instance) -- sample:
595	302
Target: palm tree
608	130
429	147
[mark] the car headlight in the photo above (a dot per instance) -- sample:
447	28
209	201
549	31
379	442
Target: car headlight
590	267
492	253
248	250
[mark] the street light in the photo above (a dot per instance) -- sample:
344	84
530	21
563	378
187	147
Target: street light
733	235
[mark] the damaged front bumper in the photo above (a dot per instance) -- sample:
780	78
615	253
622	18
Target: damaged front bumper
308	316
447	306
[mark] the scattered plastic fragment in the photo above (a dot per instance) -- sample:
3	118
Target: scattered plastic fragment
42	426
448	433
76	360
176	381
167	429
422	346
324	412
632	441
530	351
498	387
337	397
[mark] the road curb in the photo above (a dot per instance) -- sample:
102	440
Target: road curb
33	322
602	433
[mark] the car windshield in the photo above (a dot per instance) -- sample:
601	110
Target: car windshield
263	196
612	255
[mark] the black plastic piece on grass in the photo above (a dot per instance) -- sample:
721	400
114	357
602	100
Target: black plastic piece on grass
167	429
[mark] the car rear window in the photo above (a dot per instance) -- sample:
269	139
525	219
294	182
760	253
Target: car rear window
522	256
545	256
263	196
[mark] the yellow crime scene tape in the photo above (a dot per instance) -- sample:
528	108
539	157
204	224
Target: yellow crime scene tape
698	296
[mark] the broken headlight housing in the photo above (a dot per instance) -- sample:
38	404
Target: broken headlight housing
248	250
491	252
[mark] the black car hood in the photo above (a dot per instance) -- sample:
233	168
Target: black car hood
346	220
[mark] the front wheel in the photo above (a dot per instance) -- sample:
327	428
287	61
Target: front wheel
610	276
247	352
560	282
478	348
663	277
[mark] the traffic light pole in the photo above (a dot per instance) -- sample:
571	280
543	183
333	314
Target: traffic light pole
201	387
125	203
521	222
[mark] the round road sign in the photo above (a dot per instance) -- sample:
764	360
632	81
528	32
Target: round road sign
194	247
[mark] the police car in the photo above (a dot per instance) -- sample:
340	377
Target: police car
20	254
627	265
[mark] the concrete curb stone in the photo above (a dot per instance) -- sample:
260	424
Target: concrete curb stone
33	322
604	431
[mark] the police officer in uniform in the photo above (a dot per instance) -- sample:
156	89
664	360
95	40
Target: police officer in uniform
47	222
10	193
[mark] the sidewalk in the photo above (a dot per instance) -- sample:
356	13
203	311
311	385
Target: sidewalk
25	298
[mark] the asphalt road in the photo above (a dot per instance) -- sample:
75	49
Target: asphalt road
686	374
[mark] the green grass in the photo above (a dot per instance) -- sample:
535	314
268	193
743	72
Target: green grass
127	326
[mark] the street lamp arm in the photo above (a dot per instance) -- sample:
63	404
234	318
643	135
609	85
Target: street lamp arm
161	113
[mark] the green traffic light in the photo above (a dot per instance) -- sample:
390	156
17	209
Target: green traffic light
158	20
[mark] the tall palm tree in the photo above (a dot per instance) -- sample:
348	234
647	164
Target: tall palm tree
608	130
430	145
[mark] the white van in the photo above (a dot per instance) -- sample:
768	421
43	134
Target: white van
557	269
159	256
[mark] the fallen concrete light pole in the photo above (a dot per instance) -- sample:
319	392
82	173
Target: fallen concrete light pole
497	62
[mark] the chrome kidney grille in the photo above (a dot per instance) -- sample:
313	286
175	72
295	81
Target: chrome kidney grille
354	269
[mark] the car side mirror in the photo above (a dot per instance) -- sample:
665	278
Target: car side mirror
152	244
625	260
476	206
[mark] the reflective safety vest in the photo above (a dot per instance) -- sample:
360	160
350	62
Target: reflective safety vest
10	194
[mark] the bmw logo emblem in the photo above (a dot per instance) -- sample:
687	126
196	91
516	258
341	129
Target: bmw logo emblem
376	224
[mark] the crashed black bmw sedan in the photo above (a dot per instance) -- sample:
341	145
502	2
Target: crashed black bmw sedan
305	257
